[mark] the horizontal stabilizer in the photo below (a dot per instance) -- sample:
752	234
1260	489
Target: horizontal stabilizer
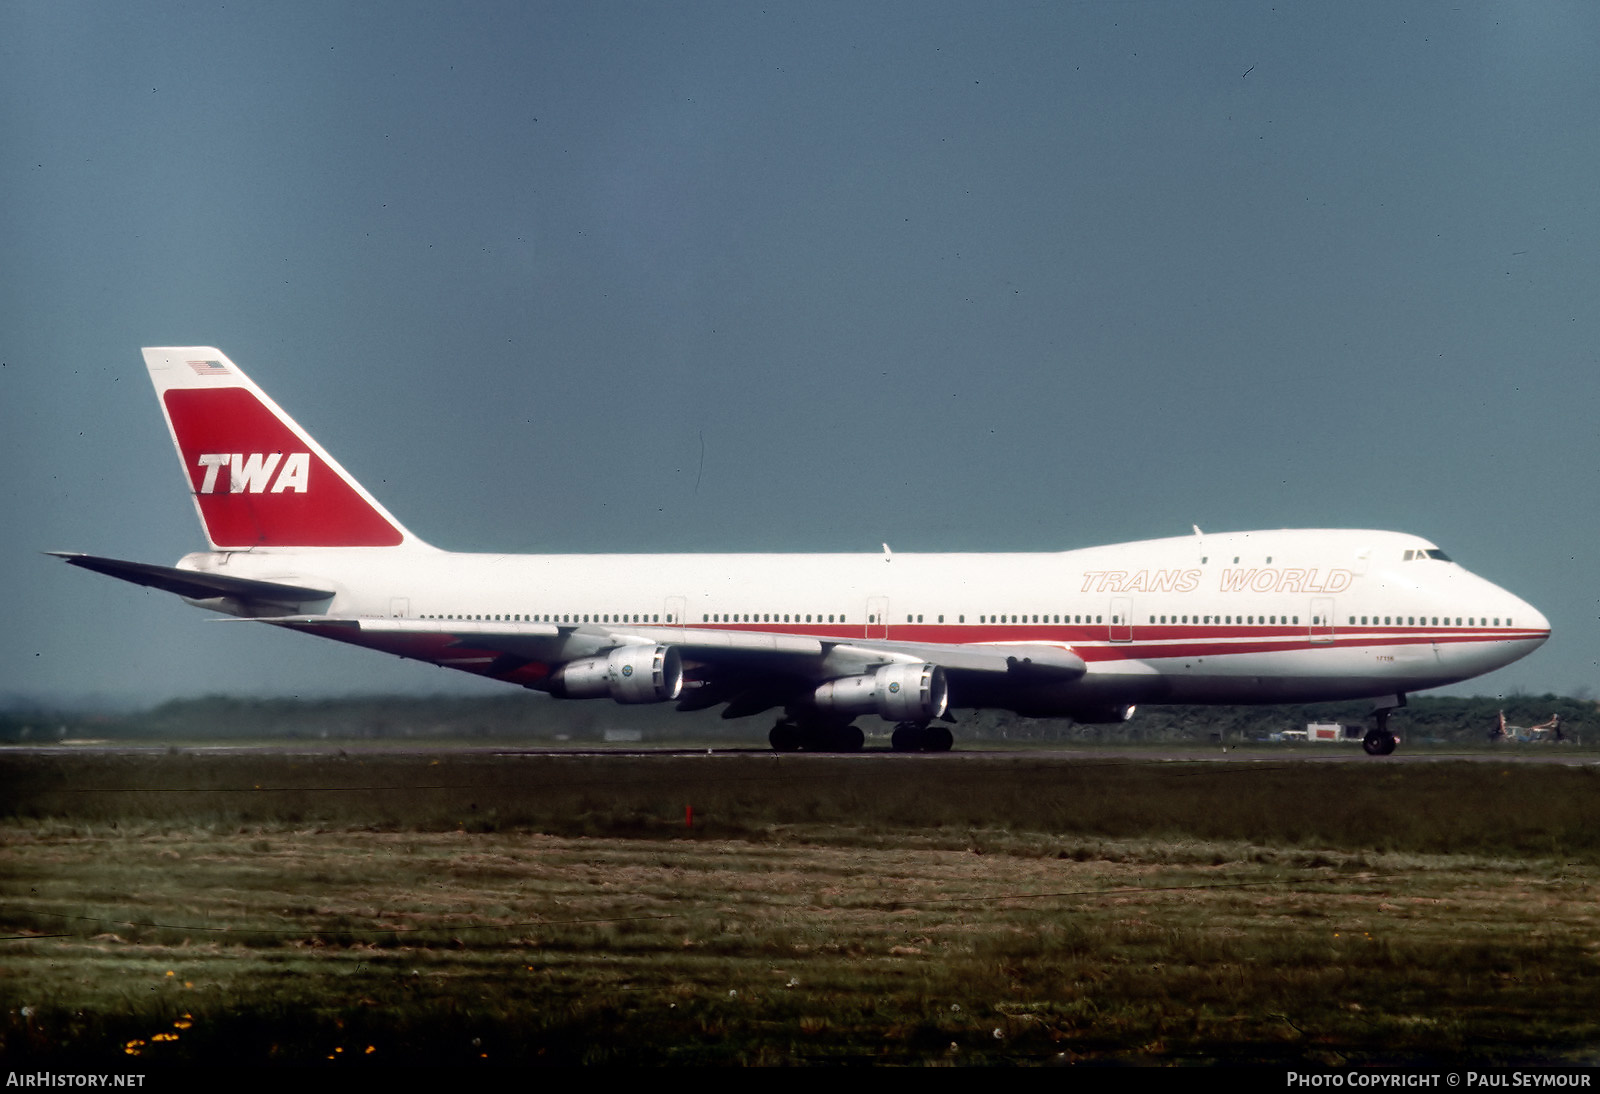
195	585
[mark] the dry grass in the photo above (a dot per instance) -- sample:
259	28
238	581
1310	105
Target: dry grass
283	944
180	915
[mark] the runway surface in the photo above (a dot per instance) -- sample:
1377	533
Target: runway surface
1537	754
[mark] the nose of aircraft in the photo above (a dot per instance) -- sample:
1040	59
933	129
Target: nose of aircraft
1536	623
1525	629
1528	629
1525	625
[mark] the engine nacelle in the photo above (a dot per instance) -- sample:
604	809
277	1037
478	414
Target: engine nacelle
895	693
628	674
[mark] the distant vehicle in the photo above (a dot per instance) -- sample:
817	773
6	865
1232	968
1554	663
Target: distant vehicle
1331	731
1318	733
1243	617
1546	731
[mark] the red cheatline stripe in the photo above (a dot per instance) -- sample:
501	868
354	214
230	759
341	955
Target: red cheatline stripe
1092	643
1229	637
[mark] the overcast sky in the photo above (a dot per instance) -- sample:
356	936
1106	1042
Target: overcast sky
951	276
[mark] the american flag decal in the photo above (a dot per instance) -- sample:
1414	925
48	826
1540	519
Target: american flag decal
208	368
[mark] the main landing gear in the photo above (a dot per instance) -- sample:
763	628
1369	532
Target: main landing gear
921	737
1379	741
792	735
815	736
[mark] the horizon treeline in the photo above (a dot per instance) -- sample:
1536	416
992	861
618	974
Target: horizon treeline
535	717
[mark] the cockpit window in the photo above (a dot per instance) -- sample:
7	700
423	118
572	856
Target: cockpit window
1438	554
1431	552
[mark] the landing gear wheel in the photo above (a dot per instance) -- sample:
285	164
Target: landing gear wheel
920	737
811	736
908	737
1379	742
785	737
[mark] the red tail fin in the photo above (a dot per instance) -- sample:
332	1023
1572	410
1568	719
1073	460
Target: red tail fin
258	479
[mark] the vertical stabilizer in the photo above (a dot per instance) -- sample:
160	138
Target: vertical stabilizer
257	478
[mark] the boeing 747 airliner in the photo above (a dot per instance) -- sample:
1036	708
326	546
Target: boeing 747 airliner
1241	617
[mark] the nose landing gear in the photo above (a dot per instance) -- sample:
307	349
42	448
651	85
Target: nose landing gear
1379	741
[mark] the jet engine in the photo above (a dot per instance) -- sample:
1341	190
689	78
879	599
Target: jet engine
628	674
895	693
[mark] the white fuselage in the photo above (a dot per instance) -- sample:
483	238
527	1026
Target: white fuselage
1290	615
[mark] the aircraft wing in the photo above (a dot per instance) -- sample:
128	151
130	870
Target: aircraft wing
749	670
746	649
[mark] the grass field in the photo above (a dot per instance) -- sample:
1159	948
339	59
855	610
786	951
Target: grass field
470	908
